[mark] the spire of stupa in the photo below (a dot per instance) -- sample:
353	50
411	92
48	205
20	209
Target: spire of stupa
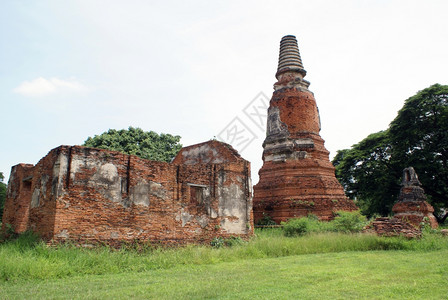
289	58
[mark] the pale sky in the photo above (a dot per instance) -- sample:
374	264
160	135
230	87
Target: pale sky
73	69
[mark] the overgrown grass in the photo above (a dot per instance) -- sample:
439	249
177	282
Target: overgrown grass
27	259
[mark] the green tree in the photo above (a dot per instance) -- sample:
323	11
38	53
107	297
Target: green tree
135	141
370	171
368	175
419	135
2	195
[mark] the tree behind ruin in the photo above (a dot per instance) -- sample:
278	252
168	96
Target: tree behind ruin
135	141
371	169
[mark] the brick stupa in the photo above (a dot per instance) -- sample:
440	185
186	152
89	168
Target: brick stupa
411	205
297	177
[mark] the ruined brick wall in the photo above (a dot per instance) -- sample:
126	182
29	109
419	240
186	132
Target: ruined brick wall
16	210
393	227
415	212
47	185
90	195
31	191
208	152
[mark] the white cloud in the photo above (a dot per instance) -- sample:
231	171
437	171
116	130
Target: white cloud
44	87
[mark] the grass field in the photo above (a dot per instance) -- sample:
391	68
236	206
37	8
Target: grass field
318	266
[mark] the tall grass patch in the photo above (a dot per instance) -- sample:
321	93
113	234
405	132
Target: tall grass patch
348	222
26	258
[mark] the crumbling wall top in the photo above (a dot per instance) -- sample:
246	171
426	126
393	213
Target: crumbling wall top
214	152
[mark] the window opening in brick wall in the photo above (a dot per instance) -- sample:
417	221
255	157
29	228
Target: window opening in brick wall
197	193
27	183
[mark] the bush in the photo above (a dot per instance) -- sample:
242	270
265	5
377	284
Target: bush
27	240
349	221
217	242
295	227
233	241
266	221
7	233
310	224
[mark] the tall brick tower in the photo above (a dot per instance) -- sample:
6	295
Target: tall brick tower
297	177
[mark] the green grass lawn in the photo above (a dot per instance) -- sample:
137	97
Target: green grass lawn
343	275
270	266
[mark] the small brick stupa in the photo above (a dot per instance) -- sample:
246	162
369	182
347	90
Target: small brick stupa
297	177
411	205
410	210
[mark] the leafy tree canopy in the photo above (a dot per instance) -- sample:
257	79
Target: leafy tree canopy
135	141
371	170
419	135
367	174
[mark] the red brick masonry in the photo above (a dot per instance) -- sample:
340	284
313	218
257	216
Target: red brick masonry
393	227
411	206
88	195
297	177
410	211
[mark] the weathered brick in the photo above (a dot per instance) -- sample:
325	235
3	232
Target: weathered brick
410	211
393	227
297	177
411	205
88	195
